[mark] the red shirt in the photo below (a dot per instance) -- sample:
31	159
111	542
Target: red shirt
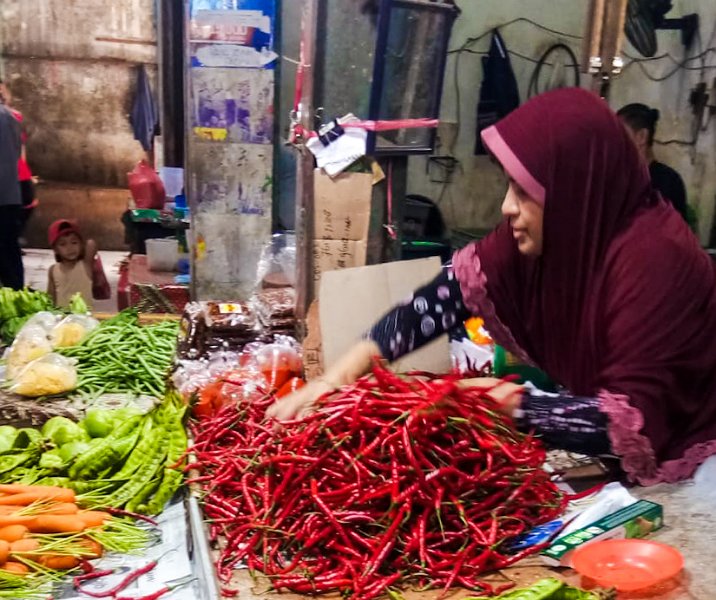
23	169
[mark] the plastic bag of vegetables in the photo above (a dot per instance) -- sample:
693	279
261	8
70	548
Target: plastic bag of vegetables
29	345
72	330
47	376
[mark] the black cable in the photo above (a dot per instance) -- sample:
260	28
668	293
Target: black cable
472	40
534	79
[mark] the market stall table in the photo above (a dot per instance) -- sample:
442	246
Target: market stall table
149	291
689	526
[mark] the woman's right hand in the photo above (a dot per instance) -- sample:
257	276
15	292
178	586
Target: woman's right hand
351	366
301	402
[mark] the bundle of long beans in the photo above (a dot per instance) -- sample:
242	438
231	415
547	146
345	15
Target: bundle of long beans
392	481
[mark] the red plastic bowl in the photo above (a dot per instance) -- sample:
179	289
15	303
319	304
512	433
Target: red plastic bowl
627	565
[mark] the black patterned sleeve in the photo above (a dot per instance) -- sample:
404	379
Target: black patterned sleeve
567	422
431	311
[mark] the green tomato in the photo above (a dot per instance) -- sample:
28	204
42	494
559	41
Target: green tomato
99	422
51	460
61	430
70	450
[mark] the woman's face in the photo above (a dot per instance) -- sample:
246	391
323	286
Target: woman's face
526	216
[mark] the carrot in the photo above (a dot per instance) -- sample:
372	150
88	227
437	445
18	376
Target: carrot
56	524
94	547
26	547
58	508
4	551
6	520
15	568
12	533
93	518
10	509
59	562
47	490
25	498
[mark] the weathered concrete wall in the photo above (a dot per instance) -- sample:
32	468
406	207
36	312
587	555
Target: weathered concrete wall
71	66
98	211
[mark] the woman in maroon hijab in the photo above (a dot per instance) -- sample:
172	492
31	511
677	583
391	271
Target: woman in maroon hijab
593	278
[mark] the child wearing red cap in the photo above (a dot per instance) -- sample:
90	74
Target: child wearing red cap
78	269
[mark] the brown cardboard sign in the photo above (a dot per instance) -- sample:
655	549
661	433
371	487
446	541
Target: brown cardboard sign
352	300
342	206
330	255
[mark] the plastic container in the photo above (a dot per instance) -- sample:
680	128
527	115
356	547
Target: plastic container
173	179
162	254
628	565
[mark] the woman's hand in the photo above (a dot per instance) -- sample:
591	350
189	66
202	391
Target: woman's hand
352	365
301	402
507	394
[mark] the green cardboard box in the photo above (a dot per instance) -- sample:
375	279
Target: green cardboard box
634	521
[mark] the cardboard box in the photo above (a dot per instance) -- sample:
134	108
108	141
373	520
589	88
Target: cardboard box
352	300
342	206
634	521
331	255
341	221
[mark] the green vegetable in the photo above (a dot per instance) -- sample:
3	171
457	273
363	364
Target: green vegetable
61	431
122	356
551	589
51	460
143	448
7	438
99	422
26	438
72	449
17	306
78	306
170	484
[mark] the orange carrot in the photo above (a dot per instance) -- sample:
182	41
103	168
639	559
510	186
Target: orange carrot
25	498
12	533
47	490
93	518
59	562
26	547
4	551
11	509
94	547
58	508
6	520
15	568
56	524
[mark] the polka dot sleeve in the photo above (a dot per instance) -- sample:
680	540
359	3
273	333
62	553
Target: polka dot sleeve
428	313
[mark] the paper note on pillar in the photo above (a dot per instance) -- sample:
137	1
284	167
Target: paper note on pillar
342	218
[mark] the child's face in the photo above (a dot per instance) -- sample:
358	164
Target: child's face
69	247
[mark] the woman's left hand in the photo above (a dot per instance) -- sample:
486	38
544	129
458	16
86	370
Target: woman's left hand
507	394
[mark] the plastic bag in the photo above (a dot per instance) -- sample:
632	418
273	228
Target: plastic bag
146	187
50	375
72	330
277	265
44	319
30	344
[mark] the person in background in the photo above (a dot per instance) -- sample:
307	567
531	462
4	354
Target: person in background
27	185
641	122
74	272
590	277
11	269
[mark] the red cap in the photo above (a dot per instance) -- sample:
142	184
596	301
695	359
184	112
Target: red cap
60	228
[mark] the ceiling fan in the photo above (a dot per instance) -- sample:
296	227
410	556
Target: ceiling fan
645	17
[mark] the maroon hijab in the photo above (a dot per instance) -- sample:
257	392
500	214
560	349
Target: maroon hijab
622	301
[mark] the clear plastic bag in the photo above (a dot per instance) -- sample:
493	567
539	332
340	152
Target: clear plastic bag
50	375
44	319
72	330
30	344
277	265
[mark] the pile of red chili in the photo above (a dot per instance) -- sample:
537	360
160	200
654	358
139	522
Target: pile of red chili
392	482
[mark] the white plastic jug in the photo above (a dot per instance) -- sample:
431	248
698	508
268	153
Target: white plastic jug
162	254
